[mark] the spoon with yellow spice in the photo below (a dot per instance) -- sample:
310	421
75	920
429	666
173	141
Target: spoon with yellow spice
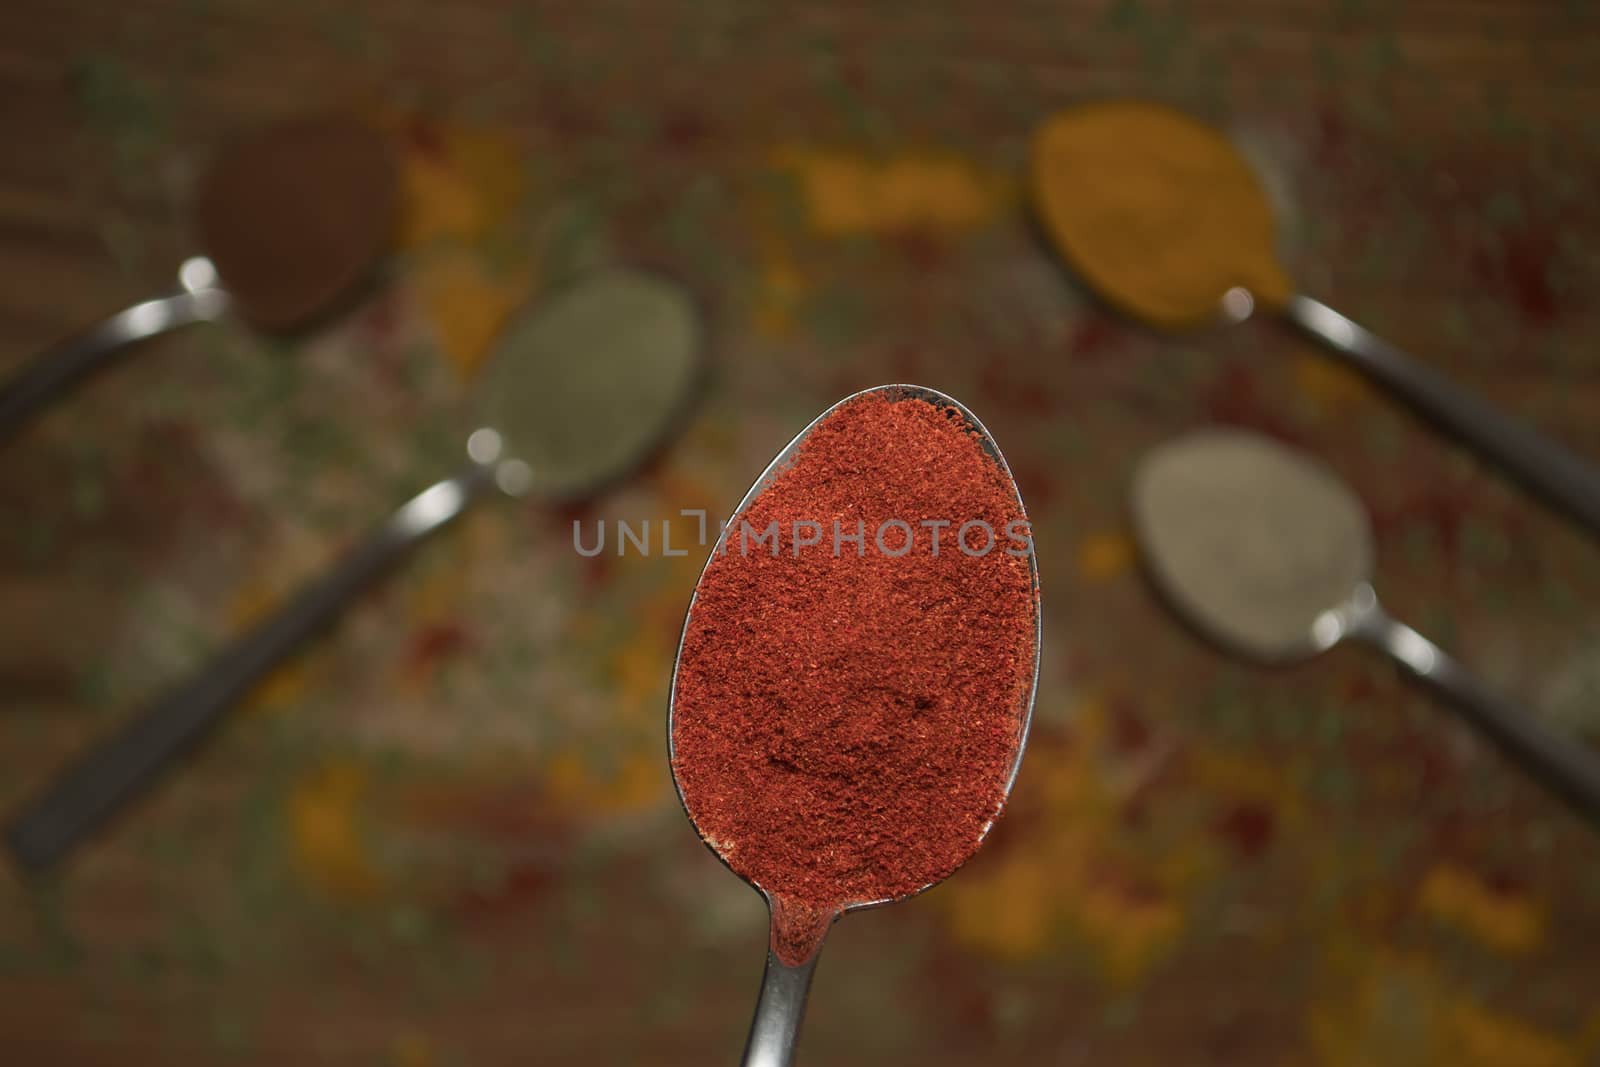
1163	217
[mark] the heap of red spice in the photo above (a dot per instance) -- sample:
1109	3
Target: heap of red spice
844	726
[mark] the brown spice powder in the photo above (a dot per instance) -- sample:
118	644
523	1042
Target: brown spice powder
297	216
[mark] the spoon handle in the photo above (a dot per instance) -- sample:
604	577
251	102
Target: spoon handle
1548	468
113	772
781	1006
49	375
1565	766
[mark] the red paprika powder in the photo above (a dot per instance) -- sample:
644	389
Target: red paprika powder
847	711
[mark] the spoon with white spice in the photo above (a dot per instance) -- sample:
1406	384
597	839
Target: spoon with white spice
1266	552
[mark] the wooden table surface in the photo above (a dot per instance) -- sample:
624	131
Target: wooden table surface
446	835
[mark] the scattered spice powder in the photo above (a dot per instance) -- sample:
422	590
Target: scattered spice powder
845	725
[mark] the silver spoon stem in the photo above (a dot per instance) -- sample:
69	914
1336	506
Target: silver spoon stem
113	772
51	373
1563	765
1545	466
779	1010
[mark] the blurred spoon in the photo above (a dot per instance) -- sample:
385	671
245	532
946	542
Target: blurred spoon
292	220
784	985
1167	222
579	392
1270	555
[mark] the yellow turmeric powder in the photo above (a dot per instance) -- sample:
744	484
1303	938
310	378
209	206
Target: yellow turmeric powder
848	194
1158	212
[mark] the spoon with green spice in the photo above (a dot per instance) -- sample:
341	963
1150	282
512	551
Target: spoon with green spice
1269	554
846	723
581	390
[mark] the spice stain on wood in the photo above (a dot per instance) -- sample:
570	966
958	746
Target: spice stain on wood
458	183
462	189
1398	1011
630	782
1106	555
1506	920
1068	883
686	130
626	774
1332	388
434	608
1005	381
411	1048
1442	510
1235	398
1095	336
327	848
567	114
848	194
1248	827
1104	857
434	644
920	248
1520	263
780	295
255	602
468	302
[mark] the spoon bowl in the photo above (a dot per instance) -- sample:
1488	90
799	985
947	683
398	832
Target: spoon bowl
1253	543
785	983
296	217
1157	212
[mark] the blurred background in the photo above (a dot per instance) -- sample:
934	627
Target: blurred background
447	835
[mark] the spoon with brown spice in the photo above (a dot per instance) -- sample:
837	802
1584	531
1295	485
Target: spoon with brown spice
291	221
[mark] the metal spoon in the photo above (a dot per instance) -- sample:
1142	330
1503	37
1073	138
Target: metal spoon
293	219
1269	554
1220	216
618	330
784	987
